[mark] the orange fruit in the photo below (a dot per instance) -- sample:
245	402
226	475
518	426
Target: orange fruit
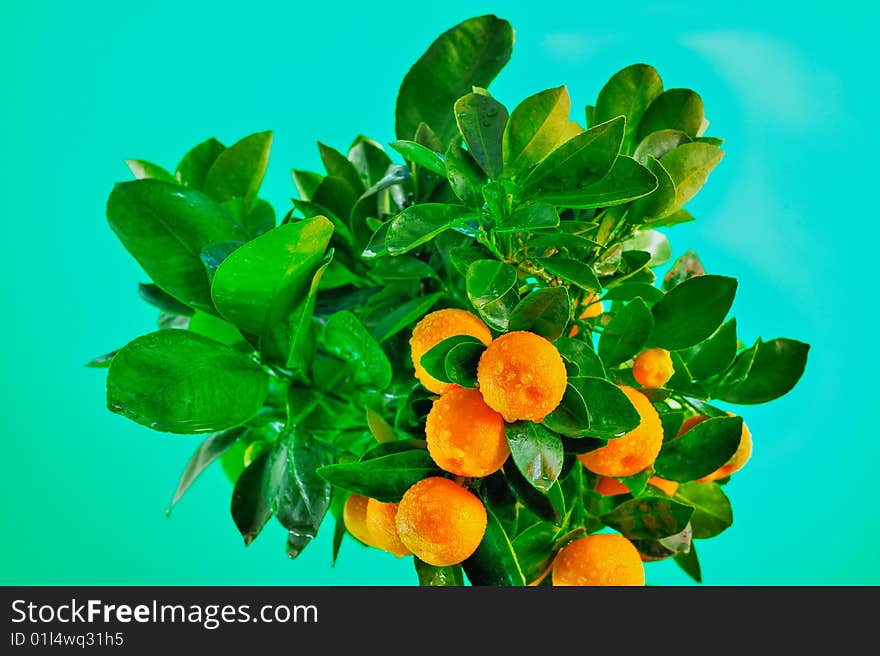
610	487
602	559
669	487
631	453
381	527
441	522
522	376
653	367
737	460
592	307
433	329
465	436
354	516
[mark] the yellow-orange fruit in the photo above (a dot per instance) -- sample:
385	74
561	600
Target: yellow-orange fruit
433	329
465	436
522	376
603	559
669	487
354	516
653	367
610	487
441	522
631	453
382	529
737	460
593	307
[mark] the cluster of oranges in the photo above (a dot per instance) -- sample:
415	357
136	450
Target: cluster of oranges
520	376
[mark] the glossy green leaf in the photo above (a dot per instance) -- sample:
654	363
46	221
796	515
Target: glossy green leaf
570	270
306	182
627	181
212	448
628	93
153	295
701	450
180	382
194	166
675	109
256	491
434	359
297	333
535	501
461	364
335	196
165	227
536	451
570	418
481	120
142	169
691	311
630	290
658	203
675	218
713	355
534	216
534	129
686	266
404	315
712	511
776	367
689	166
653	242
387	448
579	354
213	255
337	165
690	564
470	54
580	161
545	311
465	176
658	143
534	548
345	337
494	562
610	413
381	429
369	159
433	576
489	280
238	171
419	224
261	282
102	361
403	267
418	154
385	478
626	333
217	329
645	518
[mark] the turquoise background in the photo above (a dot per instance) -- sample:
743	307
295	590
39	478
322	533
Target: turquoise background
790	212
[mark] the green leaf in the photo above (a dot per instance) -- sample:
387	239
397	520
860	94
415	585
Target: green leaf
420	155
494	562
630	290
213	255
776	367
545	311
660	202
581	356
306	182
434	359
385	478
626	333
337	165
462	257
701	450
528	495
238	171
712	511
536	451
143	169
102	361
261	218
657	144
470	54
256	491
345	337
628	93
297	333
194	166
481	120
533	216
403	267
433	576
691	311
381	429
580	161
212	448
465	177
215	328
369	159
713	355
610	412
689	166
677	217
462	362
180	382
489	280
534	129
570	270
686	266
653	242
337	197
690	564
676	109
645	518
403	316
419	224
165	227
570	417
627	181
534	548
165	302
260	283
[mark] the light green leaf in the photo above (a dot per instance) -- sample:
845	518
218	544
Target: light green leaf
534	129
238	171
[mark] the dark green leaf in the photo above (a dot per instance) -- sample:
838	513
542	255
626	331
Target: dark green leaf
489	280
628	93
570	270
775	369
713	355
701	450
661	548
431	575
434	359
297	333
676	109
180	382
403	316
658	203
143	169
534	128
418	224
610	412
238	171
470	54
165	227
213	255
194	166
691	311
394	446
345	337
465	177
369	159
165	302
334	196
671	421
337	165
461	364
102	361
690	564
528	495
420	155
649	517
630	290
481	120
657	144
686	266
712	511
689	166
536	451
212	448
256	492
682	380
306	182
403	267
260	219
626	333
581	355
534	549
570	417
627	181
534	216
463	256
545	311
385	478
494	562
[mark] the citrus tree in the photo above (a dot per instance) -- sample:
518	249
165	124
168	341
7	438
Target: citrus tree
457	348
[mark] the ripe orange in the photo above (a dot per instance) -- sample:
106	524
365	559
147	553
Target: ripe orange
433	329
381	527
465	436
653	367
602	559
354	516
610	487
631	453
441	522
522	376
737	460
